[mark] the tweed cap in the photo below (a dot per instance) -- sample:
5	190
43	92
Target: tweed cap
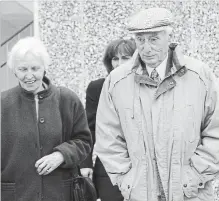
150	20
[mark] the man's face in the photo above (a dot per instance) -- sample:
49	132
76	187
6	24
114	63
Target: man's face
152	47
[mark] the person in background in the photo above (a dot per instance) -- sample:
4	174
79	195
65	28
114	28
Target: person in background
117	52
157	126
36	162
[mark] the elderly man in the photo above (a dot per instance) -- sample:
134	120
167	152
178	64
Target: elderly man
158	119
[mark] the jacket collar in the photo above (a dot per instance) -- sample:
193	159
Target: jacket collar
42	94
175	65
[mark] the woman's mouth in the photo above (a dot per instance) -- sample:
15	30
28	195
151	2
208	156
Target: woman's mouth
30	82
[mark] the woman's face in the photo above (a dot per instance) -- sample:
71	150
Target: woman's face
29	72
119	59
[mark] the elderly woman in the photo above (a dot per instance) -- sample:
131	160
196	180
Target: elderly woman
40	149
117	52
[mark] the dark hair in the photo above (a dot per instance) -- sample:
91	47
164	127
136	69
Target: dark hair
115	47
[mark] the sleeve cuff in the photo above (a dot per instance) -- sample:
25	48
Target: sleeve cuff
69	162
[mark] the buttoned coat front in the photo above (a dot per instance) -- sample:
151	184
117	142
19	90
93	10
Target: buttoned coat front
182	117
25	139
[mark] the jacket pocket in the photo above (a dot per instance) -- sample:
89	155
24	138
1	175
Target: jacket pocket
134	134
66	189
126	185
191	182
7	191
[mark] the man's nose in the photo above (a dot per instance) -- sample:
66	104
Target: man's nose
147	47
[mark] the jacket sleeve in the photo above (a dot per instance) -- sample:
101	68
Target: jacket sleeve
110	144
205	161
77	148
92	98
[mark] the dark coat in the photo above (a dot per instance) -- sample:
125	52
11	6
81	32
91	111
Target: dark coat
26	139
105	189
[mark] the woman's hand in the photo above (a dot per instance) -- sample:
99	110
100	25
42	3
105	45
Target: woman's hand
87	172
48	163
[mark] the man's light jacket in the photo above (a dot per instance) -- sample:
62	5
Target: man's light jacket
183	119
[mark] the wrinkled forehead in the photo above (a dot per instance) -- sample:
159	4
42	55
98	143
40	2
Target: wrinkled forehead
149	34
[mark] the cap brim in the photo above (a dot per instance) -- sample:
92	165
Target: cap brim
156	29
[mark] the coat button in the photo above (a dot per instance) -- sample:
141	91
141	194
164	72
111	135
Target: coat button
201	184
171	83
40	97
185	185
42	120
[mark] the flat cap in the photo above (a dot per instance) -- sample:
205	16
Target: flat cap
150	20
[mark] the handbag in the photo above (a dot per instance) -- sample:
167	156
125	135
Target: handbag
82	188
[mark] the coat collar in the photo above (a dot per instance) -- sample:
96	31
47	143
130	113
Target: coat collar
42	94
175	65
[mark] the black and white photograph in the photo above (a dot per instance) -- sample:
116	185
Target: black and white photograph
109	100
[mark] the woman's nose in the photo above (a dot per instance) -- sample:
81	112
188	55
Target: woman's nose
29	74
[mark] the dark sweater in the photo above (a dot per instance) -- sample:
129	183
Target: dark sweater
26	139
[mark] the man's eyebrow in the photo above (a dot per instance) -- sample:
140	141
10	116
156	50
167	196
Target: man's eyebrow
139	34
151	34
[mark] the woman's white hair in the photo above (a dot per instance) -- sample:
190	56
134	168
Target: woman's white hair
30	45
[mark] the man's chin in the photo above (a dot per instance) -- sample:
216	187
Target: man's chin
148	60
150	63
